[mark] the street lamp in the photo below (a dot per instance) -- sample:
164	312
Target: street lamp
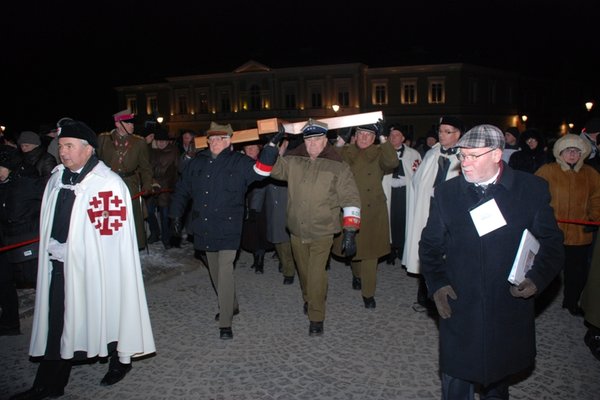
589	105
160	119
335	108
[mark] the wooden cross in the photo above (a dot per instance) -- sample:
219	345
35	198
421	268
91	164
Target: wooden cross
266	126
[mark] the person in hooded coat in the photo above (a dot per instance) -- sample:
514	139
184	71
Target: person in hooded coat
575	189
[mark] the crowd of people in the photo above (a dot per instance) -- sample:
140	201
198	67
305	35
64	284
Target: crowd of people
361	194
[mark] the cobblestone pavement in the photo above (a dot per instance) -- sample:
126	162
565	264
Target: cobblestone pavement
386	353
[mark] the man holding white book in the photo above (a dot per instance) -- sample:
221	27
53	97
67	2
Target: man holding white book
467	249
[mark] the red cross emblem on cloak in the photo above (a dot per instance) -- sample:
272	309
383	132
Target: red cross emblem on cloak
106	212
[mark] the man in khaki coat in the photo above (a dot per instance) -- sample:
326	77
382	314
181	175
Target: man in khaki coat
320	186
127	155
369	163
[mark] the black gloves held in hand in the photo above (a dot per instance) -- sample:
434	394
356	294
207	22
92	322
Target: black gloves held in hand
524	289
349	243
441	300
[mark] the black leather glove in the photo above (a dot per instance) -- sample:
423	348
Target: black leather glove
345	133
440	297
380	128
278	137
349	243
524	289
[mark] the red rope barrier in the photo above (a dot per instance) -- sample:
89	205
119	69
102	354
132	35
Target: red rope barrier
26	242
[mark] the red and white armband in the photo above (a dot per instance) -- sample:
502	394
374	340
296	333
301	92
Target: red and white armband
351	218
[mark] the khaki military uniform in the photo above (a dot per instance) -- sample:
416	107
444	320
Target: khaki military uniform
129	157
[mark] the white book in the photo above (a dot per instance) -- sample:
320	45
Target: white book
528	248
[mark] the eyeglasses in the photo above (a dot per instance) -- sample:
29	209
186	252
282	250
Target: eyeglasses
447	131
218	138
572	151
471	157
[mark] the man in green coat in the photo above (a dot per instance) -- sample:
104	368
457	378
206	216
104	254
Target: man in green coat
369	162
127	154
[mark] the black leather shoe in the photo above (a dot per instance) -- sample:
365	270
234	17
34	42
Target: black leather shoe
38	393
593	342
369	302
315	328
305	308
225	333
288	280
116	373
259	269
356	283
235	312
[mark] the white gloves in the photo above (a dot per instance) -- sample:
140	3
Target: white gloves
398	182
57	250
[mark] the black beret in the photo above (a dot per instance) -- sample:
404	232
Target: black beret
79	130
455	122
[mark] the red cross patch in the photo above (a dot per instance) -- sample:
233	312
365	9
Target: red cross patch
106	212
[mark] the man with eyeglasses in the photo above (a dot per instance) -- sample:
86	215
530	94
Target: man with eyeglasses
439	164
487	325
216	181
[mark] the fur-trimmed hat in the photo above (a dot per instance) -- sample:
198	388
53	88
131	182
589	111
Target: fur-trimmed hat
29	137
219	130
79	130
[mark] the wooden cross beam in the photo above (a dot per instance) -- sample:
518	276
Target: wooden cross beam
270	125
266	126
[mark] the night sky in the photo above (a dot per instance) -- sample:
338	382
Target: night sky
63	58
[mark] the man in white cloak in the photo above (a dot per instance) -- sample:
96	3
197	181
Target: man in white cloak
90	299
439	164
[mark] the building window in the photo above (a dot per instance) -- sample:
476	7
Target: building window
379	94
316	97
182	104
224	101
132	104
473	91
437	92
342	90
255	100
151	104
202	103
409	91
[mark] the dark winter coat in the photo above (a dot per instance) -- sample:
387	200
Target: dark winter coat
217	187
368	167
165	167
43	161
20	202
491	334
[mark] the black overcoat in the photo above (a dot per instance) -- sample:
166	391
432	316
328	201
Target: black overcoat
217	187
491	334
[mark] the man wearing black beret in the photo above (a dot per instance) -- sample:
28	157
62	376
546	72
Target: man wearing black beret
89	271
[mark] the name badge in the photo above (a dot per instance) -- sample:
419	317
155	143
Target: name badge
487	217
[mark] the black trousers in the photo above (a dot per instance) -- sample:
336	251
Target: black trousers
53	371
